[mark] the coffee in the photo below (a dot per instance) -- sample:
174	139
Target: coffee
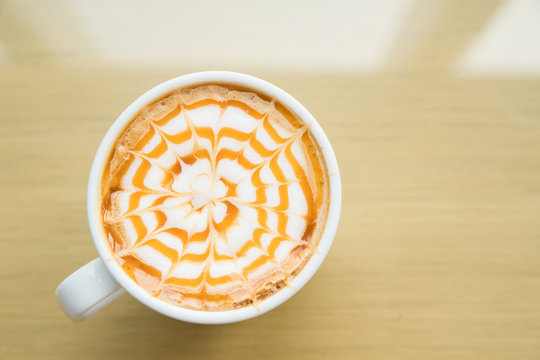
214	197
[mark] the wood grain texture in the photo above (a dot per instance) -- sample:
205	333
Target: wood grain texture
438	251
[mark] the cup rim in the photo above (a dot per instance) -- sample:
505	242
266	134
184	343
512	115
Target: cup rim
200	316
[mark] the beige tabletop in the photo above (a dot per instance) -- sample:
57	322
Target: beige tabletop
433	109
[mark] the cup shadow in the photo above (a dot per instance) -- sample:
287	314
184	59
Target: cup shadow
131	330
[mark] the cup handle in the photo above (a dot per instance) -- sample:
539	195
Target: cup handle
87	290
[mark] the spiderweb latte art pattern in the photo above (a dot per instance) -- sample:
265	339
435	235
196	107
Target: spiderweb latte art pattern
214	198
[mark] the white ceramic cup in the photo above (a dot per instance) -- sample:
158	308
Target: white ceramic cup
102	280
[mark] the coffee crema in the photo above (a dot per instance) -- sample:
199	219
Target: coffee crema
214	197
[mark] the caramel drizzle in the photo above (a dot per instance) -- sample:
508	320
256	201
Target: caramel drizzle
197	287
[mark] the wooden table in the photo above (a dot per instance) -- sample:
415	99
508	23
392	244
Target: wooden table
438	251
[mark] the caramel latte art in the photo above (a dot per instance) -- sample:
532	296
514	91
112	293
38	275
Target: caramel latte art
214	197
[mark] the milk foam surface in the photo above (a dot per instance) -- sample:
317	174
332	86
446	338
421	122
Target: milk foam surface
211	200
